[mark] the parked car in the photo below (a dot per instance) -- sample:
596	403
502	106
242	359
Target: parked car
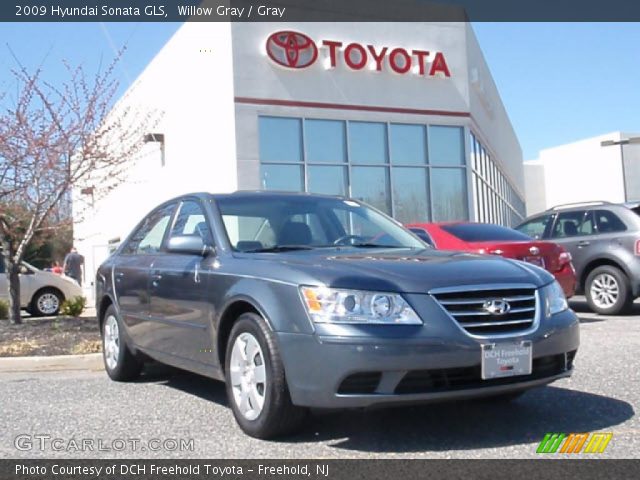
604	242
494	239
291	300
41	293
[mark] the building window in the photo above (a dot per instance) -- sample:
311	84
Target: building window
408	144
325	141
371	185
411	194
446	146
397	168
280	139
449	187
282	177
495	199
368	142
327	179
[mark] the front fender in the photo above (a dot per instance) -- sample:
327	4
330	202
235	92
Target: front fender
279	304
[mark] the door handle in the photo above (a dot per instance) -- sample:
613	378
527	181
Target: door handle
583	243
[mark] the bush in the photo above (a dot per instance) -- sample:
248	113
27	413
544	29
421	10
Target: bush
4	310
73	307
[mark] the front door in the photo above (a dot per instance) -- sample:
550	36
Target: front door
178	292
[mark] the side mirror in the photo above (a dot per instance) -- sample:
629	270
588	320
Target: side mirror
24	270
189	244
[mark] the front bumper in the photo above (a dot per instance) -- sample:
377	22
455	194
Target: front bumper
344	371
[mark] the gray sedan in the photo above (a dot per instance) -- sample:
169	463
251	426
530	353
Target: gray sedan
298	301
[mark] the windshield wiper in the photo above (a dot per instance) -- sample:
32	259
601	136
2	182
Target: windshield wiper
279	248
374	245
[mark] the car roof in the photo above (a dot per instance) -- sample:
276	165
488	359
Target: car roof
622	209
248	194
271	194
583	206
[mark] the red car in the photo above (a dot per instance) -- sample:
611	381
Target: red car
498	240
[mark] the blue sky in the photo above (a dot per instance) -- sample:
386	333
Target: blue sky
559	81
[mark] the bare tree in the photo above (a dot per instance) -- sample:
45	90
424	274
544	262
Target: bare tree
54	140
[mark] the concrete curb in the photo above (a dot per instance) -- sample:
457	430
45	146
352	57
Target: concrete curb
54	363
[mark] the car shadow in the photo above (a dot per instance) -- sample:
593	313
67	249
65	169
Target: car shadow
434	427
467	425
187	382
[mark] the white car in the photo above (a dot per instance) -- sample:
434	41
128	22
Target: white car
41	293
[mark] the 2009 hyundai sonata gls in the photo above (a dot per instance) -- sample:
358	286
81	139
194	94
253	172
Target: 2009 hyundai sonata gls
299	301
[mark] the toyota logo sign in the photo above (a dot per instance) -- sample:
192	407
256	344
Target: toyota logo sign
291	49
296	50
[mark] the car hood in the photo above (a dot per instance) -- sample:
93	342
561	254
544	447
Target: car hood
399	270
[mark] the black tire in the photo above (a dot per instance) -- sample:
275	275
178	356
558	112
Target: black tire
624	299
127	366
278	415
36	307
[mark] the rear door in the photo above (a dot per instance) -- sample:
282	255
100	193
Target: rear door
131	272
179	309
575	231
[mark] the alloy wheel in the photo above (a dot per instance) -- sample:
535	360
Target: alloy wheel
604	290
248	375
111	342
48	303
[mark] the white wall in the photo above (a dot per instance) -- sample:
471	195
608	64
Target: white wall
490	119
191	82
576	172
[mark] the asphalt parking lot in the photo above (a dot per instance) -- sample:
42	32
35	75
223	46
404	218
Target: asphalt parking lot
166	405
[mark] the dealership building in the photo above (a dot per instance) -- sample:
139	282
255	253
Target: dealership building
404	116
601	168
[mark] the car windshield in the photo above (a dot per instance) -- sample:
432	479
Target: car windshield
485	232
272	223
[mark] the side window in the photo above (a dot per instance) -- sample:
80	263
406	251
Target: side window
191	220
249	233
536	227
608	222
424	236
148	238
573	224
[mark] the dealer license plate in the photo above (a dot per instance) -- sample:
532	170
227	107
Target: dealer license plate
506	359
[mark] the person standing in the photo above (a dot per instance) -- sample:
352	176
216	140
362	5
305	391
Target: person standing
74	265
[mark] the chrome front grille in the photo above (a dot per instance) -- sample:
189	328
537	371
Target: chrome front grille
492	311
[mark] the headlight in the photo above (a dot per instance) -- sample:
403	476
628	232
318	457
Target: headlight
331	305
554	299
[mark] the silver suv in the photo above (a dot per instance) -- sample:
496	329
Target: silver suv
604	241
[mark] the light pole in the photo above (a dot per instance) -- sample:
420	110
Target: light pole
622	143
